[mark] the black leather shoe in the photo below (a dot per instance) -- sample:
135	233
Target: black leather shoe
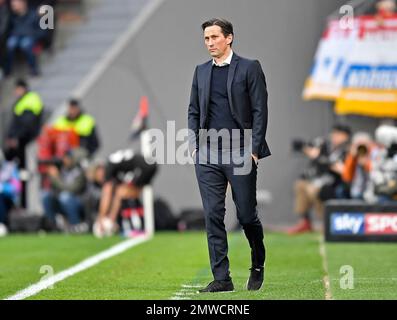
255	280
218	286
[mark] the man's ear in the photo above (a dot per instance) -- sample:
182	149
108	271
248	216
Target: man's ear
230	39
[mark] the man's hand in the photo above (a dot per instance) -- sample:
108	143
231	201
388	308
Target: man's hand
255	157
338	167
363	160
194	156
353	150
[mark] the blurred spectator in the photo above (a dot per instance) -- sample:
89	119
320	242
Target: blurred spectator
385	9
81	123
10	186
24	126
26	121
24	32
126	175
382	184
95	179
67	186
35	4
47	36
322	179
358	164
4	18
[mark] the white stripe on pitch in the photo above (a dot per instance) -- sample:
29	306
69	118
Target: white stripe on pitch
85	264
186	291
326	281
191	286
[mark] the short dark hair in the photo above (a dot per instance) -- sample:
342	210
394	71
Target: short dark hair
342	128
226	26
74	103
21	83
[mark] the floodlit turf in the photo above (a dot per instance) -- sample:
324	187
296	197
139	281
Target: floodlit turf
164	266
373	268
22	257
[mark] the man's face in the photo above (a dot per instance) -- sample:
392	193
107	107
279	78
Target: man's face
217	44
386	6
18	6
338	138
73	112
67	161
19	91
99	175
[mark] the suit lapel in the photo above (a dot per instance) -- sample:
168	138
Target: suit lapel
230	77
207	86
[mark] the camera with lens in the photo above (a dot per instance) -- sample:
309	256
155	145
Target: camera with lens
298	144
362	150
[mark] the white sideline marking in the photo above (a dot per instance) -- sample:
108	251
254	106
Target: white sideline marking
185	291
327	285
85	264
191	286
182	294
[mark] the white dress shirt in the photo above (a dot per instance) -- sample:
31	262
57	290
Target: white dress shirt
226	62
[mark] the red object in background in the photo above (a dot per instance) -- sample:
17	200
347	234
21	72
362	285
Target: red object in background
53	143
381	224
38	49
140	121
144	107
129	212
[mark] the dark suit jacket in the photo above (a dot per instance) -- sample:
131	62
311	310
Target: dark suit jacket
246	86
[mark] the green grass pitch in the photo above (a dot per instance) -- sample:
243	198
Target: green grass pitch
171	265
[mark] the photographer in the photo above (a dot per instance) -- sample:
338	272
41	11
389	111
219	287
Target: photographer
67	185
321	180
358	164
382	185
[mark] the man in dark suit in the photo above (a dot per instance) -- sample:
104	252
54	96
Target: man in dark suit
228	94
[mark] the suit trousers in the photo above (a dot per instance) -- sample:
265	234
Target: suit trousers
213	179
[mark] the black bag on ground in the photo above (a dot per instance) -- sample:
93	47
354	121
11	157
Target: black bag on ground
22	221
192	219
163	217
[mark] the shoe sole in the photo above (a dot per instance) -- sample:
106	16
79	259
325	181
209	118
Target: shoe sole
216	292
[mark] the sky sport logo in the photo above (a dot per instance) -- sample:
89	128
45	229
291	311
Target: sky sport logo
381	224
364	223
347	224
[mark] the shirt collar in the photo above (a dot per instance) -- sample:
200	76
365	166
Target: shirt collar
227	61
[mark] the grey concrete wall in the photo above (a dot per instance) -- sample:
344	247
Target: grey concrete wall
159	63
